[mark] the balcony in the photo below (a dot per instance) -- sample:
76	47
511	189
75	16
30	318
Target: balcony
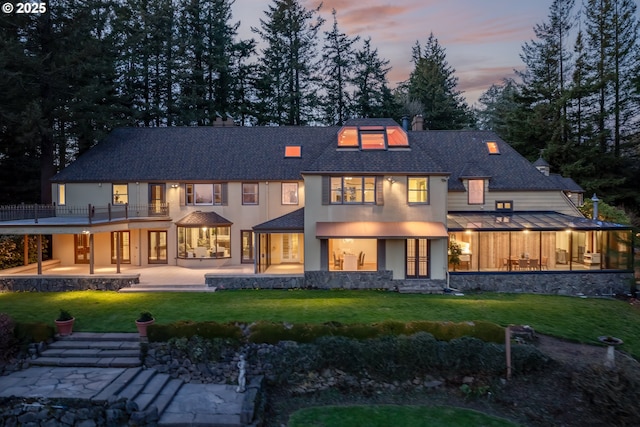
88	214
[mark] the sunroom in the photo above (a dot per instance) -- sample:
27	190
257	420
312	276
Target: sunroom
534	242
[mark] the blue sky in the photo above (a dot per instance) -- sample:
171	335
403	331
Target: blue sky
482	38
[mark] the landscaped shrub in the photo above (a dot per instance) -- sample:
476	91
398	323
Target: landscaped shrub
341	353
7	336
400	358
34	332
446	331
199	349
12	253
273	332
188	329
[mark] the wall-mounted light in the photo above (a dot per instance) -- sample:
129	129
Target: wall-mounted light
99	184
174	185
391	179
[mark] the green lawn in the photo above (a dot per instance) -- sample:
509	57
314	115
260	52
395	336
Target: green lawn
383	416
580	319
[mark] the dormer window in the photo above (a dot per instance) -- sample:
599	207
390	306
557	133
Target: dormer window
372	137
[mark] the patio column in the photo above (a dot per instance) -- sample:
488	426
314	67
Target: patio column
26	249
118	255
90	253
39	254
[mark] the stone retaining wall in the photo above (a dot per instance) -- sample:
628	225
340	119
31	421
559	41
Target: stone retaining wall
349	279
552	283
254	281
58	283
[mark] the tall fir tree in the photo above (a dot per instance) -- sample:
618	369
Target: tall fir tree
287	81
433	83
337	65
372	95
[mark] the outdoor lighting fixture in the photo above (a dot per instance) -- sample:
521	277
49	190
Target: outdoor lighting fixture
391	179
174	185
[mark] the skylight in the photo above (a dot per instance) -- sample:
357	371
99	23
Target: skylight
492	146
293	151
372	137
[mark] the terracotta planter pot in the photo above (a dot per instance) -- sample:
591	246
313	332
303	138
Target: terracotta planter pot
142	327
65	327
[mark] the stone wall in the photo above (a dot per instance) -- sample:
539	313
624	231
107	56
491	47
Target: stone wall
552	283
349	279
254	281
43	283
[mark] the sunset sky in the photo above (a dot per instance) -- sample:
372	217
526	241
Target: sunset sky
482	38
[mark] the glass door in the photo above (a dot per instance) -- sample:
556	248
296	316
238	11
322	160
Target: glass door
125	247
417	258
156	200
82	248
157	247
290	248
247	246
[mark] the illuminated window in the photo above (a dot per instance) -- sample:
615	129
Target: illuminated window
249	193
206	194
372	137
120	194
289	193
396	137
476	192
506	205
348	137
417	190
353	190
292	151
62	194
492	146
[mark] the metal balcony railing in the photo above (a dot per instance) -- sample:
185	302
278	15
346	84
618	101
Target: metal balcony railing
90	213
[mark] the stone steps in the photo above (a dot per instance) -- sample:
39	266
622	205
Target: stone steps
82	349
421	287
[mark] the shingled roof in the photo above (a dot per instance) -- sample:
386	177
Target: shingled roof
205	154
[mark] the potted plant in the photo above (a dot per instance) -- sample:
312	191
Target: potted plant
64	323
144	320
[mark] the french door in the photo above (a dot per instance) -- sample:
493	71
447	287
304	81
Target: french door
124	238
157	247
82	248
417	258
290	248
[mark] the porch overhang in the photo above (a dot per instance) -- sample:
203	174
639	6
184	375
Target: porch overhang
384	230
520	221
58	225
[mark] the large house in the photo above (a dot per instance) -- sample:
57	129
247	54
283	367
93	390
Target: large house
369	204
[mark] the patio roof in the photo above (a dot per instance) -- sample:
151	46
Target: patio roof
384	230
518	221
291	222
202	219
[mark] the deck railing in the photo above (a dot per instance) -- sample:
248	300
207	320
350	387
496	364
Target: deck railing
90	213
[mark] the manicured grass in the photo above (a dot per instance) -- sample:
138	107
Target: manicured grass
383	416
580	319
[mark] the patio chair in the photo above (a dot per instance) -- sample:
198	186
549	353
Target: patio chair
533	264
505	264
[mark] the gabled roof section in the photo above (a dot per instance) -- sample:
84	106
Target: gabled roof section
203	219
293	221
566	184
199	154
456	151
473	170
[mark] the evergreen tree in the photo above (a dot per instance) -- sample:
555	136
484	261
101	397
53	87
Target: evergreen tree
287	84
372	96
433	83
337	63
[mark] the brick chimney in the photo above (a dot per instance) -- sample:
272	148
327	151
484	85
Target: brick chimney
417	124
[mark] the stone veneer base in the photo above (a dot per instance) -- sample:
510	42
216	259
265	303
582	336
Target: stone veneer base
59	283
